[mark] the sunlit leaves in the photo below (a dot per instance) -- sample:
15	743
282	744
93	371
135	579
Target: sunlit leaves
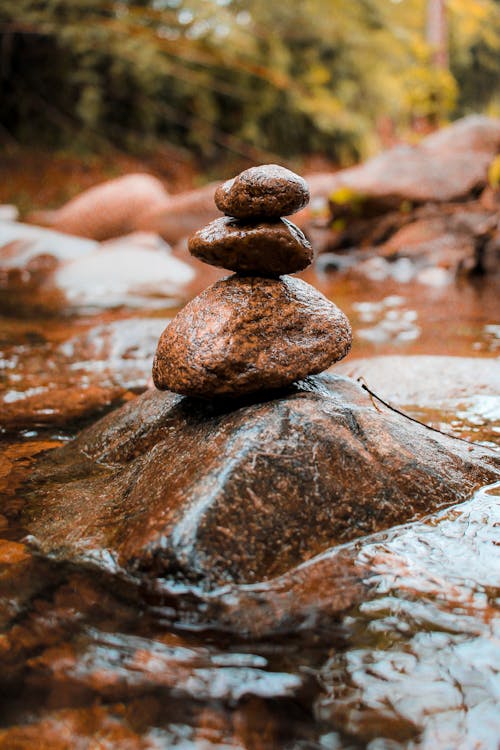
243	75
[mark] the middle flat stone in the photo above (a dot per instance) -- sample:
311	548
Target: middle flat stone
271	247
248	334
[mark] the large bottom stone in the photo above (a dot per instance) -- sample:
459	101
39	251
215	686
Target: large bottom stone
214	492
248	334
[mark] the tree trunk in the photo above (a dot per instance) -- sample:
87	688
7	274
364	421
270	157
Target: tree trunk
437	32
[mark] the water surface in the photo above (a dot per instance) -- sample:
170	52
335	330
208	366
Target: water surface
89	661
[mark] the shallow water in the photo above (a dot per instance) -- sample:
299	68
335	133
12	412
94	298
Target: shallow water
386	643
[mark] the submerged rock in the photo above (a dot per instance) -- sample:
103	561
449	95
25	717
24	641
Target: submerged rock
266	248
246	334
173	487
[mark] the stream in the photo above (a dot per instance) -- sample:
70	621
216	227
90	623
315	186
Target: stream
89	660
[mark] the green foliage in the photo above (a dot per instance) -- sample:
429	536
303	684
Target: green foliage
254	77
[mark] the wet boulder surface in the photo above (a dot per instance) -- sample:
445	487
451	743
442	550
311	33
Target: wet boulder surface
389	640
176	488
268	190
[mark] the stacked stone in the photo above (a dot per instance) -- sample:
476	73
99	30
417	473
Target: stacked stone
259	329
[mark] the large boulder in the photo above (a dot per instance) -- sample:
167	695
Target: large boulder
205	491
445	166
134	202
110	209
184	214
47	272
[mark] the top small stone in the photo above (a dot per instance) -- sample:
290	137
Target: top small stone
268	191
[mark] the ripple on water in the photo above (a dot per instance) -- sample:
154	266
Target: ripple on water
422	667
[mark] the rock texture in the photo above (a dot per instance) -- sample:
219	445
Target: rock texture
167	486
248	334
181	215
265	191
266	248
135	202
428	204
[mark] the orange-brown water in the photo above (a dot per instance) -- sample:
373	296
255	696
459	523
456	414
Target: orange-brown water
90	662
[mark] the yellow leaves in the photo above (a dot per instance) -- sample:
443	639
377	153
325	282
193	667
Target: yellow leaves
317	75
345	203
338	225
428	92
344	195
321	105
473	21
494	173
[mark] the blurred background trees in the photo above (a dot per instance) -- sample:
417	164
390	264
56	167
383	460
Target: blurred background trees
255	78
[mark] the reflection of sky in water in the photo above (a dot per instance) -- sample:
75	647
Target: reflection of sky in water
423	670
491	335
489	339
390	321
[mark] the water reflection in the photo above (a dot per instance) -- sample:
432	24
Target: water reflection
424	663
388	643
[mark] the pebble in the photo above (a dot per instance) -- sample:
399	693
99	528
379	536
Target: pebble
268	191
268	248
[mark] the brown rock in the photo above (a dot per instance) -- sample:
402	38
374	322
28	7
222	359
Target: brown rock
74	728
132	203
111	209
167	486
265	191
433	241
181	215
445	166
267	248
247	334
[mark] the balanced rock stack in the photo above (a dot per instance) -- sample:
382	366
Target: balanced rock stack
256	330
